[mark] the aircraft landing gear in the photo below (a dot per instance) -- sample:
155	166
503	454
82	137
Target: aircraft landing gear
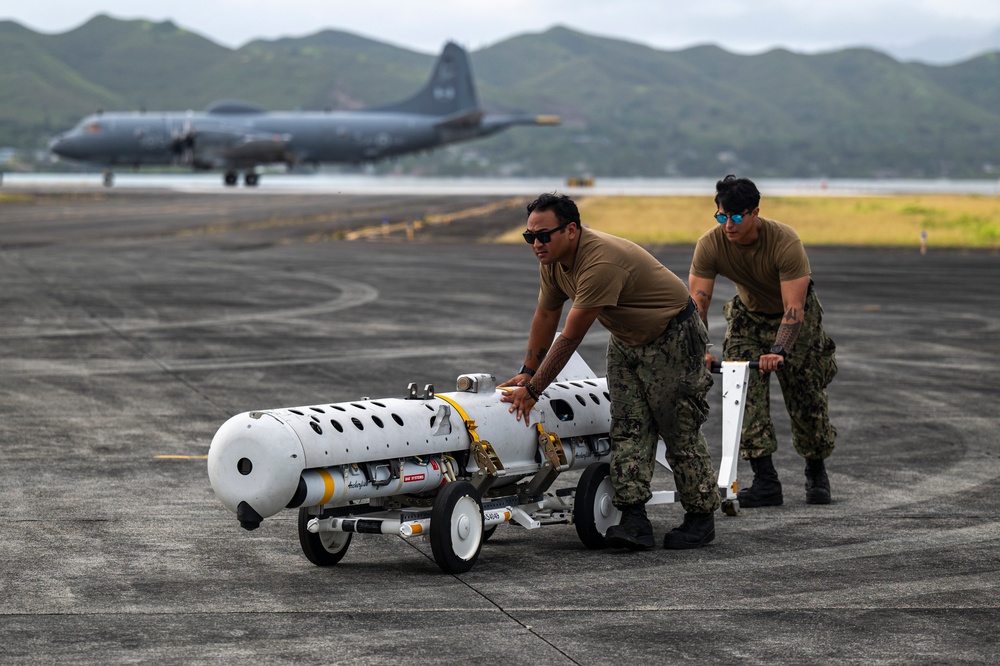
250	179
230	178
109	178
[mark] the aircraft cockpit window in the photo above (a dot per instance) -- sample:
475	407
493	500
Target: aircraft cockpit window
92	128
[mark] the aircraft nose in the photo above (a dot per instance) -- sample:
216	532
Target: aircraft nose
60	145
69	144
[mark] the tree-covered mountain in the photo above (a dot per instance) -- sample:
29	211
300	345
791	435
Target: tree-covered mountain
627	109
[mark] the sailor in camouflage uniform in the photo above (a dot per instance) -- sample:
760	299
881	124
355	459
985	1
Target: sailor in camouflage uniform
656	373
776	319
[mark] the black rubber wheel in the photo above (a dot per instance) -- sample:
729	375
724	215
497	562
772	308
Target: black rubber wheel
456	532
593	512
489	532
325	548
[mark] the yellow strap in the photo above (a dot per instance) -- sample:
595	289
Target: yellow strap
470	424
542	431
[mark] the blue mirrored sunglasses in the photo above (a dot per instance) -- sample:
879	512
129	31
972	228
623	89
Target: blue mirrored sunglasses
721	219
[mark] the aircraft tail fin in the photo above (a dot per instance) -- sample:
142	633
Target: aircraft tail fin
575	369
450	89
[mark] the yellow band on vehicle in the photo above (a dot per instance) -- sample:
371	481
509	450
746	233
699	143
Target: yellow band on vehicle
470	424
328	486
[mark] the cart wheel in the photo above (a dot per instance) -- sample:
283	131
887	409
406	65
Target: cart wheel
731	507
593	512
456	533
323	549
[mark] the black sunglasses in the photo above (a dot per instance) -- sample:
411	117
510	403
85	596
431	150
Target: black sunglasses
543	235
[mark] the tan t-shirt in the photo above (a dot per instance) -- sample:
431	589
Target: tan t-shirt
639	294
757	270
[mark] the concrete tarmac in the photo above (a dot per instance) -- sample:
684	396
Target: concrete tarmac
135	323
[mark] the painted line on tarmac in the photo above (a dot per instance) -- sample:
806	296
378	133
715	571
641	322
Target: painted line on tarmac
353	294
378	231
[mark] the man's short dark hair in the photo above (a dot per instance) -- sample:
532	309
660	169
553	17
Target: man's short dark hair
736	195
560	204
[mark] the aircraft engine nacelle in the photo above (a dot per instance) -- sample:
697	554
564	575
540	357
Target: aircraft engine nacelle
260	462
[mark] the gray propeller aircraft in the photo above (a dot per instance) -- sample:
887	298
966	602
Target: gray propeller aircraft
236	136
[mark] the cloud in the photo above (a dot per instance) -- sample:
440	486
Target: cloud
737	25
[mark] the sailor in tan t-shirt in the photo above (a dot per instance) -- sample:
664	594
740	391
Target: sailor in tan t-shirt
775	319
657	379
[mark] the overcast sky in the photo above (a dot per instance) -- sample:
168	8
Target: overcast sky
740	26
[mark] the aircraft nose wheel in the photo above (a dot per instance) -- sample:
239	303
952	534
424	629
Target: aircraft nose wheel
456	533
593	511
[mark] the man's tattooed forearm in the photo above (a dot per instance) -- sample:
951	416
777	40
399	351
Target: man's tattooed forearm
788	333
537	357
702	296
555	361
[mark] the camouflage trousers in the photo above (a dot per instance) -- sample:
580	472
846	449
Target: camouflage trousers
659	389
809	369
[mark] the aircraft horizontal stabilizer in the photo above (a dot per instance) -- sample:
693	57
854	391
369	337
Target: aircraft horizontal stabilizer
496	122
460	120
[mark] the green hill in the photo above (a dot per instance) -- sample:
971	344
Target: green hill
627	109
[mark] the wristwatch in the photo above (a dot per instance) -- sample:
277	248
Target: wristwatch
779	350
526	369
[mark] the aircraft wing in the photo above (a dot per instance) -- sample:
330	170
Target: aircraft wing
219	148
259	148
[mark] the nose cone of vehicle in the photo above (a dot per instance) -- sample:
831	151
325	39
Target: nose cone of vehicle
64	146
255	460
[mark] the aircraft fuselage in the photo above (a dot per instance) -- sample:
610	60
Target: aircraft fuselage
241	141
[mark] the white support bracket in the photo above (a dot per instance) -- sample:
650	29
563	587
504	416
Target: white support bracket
519	516
735	375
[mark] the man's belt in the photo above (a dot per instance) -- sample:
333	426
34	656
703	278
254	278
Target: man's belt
686	313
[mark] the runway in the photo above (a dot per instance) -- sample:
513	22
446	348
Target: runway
135	322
